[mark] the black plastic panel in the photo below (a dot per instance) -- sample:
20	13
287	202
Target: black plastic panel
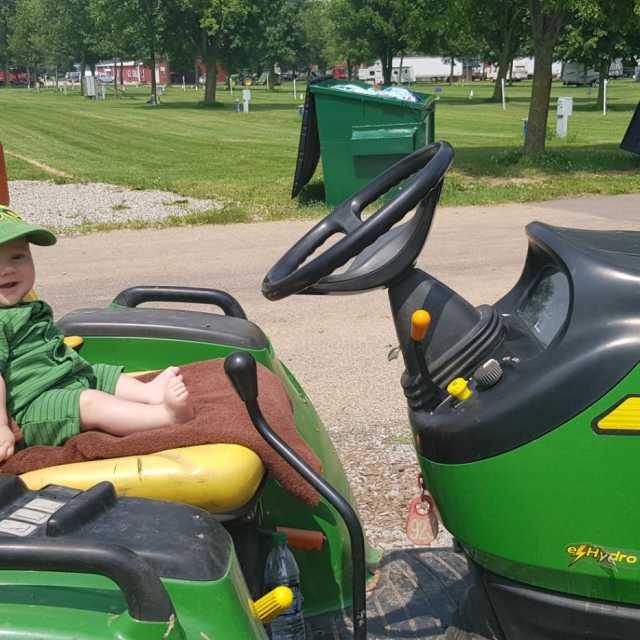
523	612
164	323
178	541
595	344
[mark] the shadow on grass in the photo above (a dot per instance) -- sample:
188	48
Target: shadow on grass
496	161
312	194
199	105
585	104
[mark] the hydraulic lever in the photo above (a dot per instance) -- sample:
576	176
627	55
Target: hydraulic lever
420	323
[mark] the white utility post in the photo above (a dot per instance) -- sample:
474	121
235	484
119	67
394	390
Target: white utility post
184	86
504	97
294	86
604	102
564	109
246	98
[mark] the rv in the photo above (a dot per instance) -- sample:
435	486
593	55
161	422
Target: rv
578	74
374	74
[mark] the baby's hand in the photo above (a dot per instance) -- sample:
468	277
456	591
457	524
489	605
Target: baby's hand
7	442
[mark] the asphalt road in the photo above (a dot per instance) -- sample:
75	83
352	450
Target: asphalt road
337	346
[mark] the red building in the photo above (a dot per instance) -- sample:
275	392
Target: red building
134	72
15	77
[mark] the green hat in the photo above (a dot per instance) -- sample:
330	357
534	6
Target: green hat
12	226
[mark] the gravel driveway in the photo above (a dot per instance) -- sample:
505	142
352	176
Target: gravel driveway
337	346
68	205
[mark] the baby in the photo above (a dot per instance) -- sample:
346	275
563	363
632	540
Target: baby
47	387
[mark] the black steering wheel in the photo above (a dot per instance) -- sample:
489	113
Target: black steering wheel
428	166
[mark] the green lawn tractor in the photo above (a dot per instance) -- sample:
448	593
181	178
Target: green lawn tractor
525	414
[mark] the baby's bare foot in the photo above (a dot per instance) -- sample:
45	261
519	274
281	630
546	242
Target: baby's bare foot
156	387
176	400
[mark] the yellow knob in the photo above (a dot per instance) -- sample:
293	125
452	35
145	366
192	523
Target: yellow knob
420	321
272	604
459	388
73	342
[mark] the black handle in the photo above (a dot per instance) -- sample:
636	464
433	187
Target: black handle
146	597
134	296
240	367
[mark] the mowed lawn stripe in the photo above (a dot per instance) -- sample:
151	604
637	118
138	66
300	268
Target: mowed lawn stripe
248	160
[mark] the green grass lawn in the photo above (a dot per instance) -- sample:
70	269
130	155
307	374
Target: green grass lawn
247	160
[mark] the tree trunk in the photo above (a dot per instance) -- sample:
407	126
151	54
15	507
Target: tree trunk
83	69
115	77
387	65
210	86
154	87
452	64
400	69
539	106
505	61
349	69
121	74
28	77
546	30
604	73
56	81
503	67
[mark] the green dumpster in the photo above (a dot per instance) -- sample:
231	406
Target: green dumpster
358	135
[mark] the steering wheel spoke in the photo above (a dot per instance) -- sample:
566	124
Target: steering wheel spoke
347	219
293	274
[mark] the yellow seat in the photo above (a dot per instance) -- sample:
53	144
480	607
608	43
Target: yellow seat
216	477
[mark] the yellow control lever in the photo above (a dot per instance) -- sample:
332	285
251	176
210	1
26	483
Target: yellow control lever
272	604
420	322
459	389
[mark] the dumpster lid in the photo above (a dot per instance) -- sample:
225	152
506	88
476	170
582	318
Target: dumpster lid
631	140
308	147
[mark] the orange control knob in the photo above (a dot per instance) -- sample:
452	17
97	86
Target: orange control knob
420	321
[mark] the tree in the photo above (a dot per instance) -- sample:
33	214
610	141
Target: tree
449	31
548	18
599	34
280	38
500	28
7	11
121	33
81	36
387	25
27	44
340	42
216	31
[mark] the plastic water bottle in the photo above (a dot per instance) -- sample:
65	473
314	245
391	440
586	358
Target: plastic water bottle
281	569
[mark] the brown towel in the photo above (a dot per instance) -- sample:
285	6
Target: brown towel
220	417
